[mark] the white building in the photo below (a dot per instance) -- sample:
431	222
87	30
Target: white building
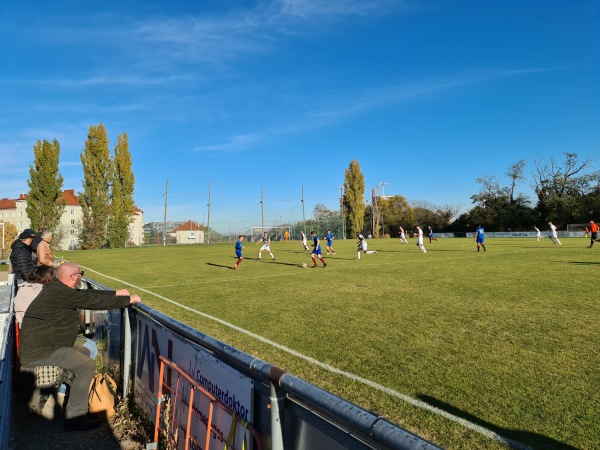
188	233
66	237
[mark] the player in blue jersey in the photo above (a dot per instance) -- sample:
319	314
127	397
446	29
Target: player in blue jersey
479	237
238	251
330	237
431	238
316	253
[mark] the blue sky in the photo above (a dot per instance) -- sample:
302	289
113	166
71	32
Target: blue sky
427	95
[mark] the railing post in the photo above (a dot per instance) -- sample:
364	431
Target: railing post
126	352
276	397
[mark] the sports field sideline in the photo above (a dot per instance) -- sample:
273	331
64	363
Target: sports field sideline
468	349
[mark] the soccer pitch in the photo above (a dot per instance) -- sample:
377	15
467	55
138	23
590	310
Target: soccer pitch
468	349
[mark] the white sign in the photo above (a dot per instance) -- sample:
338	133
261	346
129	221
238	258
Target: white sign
225	383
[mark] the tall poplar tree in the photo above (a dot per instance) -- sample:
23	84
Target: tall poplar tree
45	202
94	200
354	201
121	206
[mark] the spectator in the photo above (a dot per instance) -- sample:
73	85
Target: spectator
49	331
44	253
30	290
36	241
20	256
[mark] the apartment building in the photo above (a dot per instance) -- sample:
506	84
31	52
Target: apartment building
66	237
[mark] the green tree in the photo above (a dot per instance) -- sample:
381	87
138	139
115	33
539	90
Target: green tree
396	213
354	201
45	203
10	234
121	206
94	200
562	188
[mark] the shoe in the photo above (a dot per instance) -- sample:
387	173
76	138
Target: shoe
375	251
313	266
334	253
273	258
324	265
235	267
81	423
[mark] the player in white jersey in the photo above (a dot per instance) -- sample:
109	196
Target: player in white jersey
403	236
553	235
303	243
419	234
362	246
266	240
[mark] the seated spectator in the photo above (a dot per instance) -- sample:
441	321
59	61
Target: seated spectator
20	256
49	331
44	252
30	290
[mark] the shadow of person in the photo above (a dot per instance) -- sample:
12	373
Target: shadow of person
520	438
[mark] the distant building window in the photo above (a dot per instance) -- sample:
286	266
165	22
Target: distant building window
72	231
72	221
20	224
72	211
20	214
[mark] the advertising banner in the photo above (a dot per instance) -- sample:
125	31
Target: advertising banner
225	383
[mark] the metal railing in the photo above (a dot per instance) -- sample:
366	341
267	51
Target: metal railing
289	413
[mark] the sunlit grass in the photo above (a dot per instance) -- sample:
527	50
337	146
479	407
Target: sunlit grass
508	339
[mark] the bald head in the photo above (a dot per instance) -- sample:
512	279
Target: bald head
69	273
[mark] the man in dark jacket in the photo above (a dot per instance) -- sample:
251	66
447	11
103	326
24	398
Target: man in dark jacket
20	255
50	328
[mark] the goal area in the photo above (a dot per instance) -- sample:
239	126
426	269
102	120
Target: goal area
577	229
275	233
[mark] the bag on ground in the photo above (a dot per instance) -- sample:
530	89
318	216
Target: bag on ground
103	392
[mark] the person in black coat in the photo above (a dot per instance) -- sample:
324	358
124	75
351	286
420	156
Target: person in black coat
49	332
20	255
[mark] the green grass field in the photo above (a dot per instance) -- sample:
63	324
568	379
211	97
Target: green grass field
508	340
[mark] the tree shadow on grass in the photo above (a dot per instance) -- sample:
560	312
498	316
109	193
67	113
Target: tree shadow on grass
585	263
519	438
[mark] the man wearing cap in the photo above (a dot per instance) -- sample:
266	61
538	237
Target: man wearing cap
20	256
49	331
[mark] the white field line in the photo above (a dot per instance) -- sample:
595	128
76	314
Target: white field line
412	401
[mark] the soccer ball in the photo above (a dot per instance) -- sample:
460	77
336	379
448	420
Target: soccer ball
304	265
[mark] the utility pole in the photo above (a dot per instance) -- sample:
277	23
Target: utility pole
208	218
383	183
342	213
303	216
262	208
165	215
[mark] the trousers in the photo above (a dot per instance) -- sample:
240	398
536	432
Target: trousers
84	368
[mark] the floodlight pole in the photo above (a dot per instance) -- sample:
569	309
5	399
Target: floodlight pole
165	216
208	216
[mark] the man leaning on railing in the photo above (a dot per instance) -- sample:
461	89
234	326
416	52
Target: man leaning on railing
49	331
